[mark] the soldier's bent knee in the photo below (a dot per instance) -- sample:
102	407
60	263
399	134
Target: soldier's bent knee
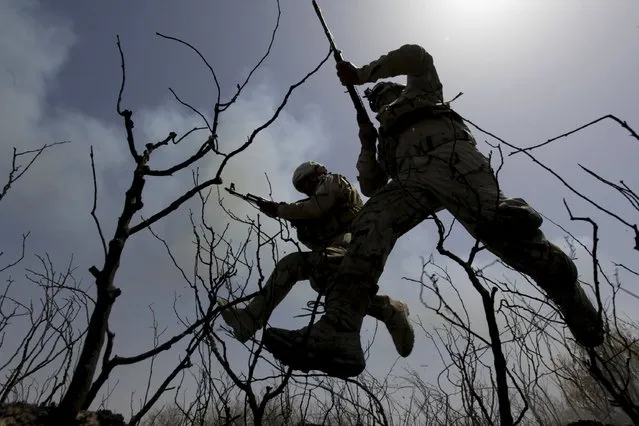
359	266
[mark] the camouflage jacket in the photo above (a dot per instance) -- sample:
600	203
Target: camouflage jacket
323	219
423	90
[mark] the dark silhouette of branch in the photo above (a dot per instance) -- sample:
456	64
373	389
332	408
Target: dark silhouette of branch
217	180
18	170
273	117
610	116
50	338
190	46
128	124
493	329
95	205
595	243
21	257
185	363
566	184
628	193
223	106
192	108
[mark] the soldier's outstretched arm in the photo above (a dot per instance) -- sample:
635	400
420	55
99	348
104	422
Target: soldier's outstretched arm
315	207
410	60
371	174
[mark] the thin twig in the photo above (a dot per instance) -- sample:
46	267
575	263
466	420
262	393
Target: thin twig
126	114
610	116
95	204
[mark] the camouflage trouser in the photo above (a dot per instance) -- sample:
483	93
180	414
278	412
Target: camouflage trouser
440	168
318	268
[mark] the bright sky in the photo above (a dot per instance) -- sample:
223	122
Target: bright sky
529	70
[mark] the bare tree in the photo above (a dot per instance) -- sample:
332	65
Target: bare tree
38	334
50	334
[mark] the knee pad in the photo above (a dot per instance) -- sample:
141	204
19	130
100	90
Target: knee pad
516	215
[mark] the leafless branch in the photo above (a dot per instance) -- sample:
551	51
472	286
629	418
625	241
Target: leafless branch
18	170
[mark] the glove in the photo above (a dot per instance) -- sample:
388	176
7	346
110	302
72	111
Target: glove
347	73
269	208
367	136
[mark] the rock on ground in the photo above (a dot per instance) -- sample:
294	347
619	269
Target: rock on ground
23	414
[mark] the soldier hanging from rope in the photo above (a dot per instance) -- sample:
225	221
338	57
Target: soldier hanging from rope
424	160
322	222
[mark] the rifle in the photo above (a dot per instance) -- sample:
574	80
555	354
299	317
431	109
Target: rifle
255	201
362	115
306	229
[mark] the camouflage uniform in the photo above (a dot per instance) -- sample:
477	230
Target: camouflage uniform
430	158
322	225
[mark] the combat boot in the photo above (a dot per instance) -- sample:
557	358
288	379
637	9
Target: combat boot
564	290
581	316
331	345
394	314
245	322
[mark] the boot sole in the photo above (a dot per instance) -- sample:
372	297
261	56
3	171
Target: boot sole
300	359
580	315
589	334
590	338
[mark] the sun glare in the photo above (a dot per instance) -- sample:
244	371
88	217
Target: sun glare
478	6
486	16
487	10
